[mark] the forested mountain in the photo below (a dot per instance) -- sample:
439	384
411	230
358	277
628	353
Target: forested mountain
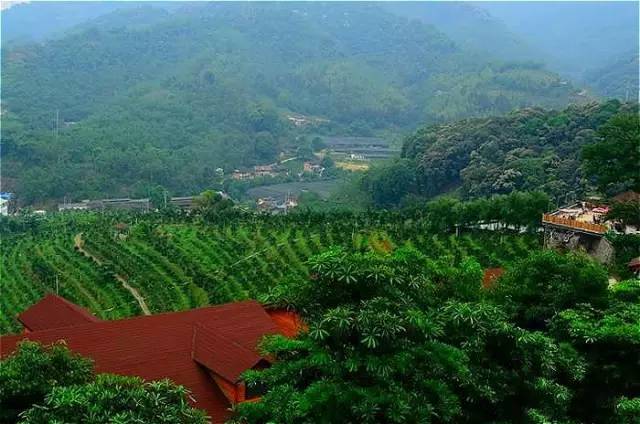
471	26
617	79
38	21
146	96
576	38
529	149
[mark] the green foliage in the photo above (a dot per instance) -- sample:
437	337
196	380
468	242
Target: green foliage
628	213
116	399
526	150
171	257
627	247
401	338
32	371
613	161
547	283
628	411
390	183
608	337
166	98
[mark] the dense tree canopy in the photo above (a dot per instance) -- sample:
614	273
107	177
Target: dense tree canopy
530	149
28	375
399	338
614	160
53	385
116	399
213	85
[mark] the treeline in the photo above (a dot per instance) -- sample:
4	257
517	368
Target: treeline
518	210
564	153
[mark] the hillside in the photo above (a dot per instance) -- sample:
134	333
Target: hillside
530	149
472	26
117	268
619	79
575	38
211	85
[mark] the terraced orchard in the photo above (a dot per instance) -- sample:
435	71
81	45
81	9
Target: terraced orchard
123	270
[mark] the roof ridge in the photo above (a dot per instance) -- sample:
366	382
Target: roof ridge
139	317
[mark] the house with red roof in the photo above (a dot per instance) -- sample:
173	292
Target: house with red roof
205	350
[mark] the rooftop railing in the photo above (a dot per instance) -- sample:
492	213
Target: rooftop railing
573	223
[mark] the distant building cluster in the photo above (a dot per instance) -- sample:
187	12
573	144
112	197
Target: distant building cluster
275	207
360	148
271	170
274	170
185	203
143	205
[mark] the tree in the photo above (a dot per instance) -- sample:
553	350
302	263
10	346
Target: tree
305	151
609	339
387	185
32	371
626	212
266	147
116	399
318	144
401	339
535	289
613	161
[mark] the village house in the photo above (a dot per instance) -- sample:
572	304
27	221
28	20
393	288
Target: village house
205	350
312	168
265	170
582	226
142	205
274	207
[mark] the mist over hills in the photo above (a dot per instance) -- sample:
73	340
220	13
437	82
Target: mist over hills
147	96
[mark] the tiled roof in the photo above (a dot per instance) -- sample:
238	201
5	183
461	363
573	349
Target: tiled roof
222	355
54	312
490	276
163	346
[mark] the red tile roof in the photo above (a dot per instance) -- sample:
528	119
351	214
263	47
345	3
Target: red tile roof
490	276
54	312
222	355
183	346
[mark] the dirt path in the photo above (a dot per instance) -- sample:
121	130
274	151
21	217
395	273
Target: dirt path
135	293
79	245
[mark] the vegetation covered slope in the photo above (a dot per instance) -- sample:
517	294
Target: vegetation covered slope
104	262
529	149
618	79
210	85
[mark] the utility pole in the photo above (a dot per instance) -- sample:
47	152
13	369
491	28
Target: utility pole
57	285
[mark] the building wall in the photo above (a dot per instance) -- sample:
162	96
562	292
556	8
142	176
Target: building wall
596	246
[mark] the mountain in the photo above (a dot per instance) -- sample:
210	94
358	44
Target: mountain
617	79
470	26
38	21
144	96
577	37
526	150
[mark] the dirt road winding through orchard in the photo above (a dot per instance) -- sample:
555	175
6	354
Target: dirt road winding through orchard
79	246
